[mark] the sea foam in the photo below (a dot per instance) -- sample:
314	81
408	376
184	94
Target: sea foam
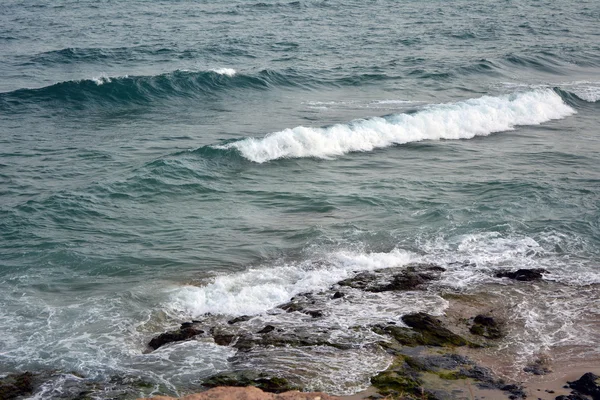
225	71
257	290
462	120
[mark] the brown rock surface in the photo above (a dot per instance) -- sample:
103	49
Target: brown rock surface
248	393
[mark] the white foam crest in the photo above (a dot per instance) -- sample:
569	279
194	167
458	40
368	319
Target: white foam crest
101	79
225	71
462	120
257	290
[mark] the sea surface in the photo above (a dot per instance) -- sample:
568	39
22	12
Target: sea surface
160	160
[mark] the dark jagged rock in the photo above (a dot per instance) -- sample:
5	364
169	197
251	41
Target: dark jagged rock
314	313
411	277
264	382
432	331
337	295
588	384
516	391
243	318
487	326
16	385
292	306
404	336
277	339
573	396
525	275
484	376
187	331
223	339
267	329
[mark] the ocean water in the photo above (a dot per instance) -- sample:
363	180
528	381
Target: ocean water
160	160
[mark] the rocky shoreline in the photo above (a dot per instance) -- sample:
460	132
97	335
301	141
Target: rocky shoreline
428	357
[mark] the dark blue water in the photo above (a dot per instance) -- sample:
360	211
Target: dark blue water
161	160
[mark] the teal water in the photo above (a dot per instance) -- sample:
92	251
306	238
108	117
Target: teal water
161	160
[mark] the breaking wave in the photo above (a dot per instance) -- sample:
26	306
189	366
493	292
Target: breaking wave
462	120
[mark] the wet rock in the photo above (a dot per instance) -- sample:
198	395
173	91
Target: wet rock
516	391
400	381
16	385
242	318
539	366
267	329
445	362
404	336
487	326
314	313
433	333
223	339
588	384
250	378
187	331
292	306
484	376
281	339
411	277
525	275
337	295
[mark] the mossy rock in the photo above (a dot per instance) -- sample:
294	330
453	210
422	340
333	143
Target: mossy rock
433	333
404	336
398	384
264	382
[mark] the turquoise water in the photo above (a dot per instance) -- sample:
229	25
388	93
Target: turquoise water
162	160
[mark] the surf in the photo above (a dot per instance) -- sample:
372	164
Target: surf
461	120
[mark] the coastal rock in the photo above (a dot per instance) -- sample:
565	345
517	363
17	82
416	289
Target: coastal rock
404	336
433	333
187	331
487	326
267	329
524	275
242	318
411	277
588	384
541	366
276	338
573	396
16	385
264	382
337	295
249	393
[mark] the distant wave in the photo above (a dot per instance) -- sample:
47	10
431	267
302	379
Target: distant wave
586	91
106	90
462	120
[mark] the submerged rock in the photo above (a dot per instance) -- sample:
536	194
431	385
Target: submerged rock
525	275
187	331
16	385
433	333
539	366
250	378
487	326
